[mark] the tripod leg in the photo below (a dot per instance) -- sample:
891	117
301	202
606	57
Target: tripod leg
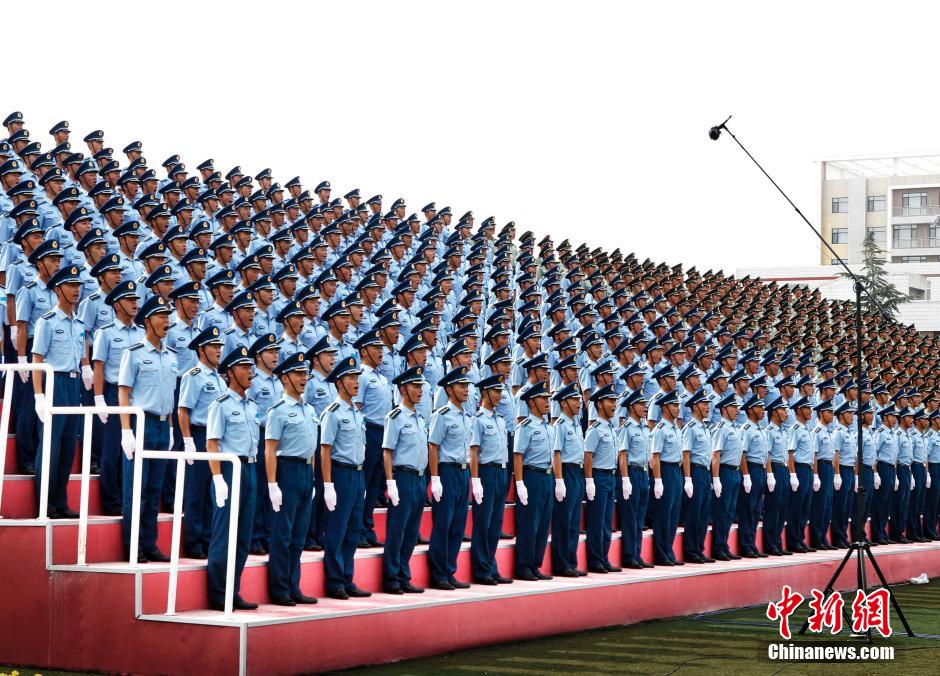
894	602
832	581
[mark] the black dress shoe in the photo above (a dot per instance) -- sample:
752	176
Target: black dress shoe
364	544
338	594
313	547
303	599
570	572
526	577
809	550
356	593
632	564
645	564
195	554
157	556
237	604
612	568
678	563
457	584
721	556
94	469
28	471
257	550
52	513
761	555
733	556
504	536
502	580
443	585
283	601
488	581
397	590
694	558
598	569
140	557
67	513
665	563
423	540
466	538
542	576
409	588
580	572
748	555
901	540
775	552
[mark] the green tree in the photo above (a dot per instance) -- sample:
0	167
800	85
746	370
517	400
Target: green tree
875	278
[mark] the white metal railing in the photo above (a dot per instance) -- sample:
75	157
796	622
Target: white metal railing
234	492
917	210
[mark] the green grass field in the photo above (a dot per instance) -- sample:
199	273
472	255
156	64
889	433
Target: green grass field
720	643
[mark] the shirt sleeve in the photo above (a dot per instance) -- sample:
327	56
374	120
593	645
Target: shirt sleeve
23	305
273	424
438	428
189	392
327	428
390	435
591	440
99	348
42	337
475	432
718	439
521	440
658	440
215	426
127	374
558	438
793	440
687	438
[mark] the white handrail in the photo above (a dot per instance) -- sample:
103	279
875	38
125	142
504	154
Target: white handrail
49	387
181	457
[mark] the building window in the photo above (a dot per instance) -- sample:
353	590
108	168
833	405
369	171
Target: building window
840	235
912	259
840	205
905	236
836	261
876	203
933	235
914	204
878	233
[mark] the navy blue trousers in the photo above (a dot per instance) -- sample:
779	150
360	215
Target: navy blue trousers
25	422
776	504
666	513
698	511
866	492
402	529
264	514
901	504
373	472
109	464
932	501
218	543
599	515
532	521
343	528
487	521
197	501
881	509
750	506
315	532
448	523
63	437
821	509
724	508
156	437
289	527
798	512
632	513
918	497
168	490
842	505
566	520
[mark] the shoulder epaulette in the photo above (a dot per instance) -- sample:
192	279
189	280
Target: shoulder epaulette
251	400
596	423
395	412
94	296
525	422
136	346
17	261
660	425
230	329
49	315
108	325
278	403
172	349
193	371
223	397
332	407
31	284
720	425
817	430
443	409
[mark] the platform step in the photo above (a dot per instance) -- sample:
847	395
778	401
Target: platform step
19	496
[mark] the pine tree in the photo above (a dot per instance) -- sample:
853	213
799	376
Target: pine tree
875	278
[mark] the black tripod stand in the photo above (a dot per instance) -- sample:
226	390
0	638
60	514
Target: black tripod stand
860	547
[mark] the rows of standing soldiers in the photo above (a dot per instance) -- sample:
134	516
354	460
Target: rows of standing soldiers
353	356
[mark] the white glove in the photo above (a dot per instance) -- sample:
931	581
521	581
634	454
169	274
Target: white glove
716	486
928	479
170	446
746	482
771	482
329	496
392	487
88	376
522	493
14	334
657	488
589	489
313	494
877	483
560	490
221	490
794	482
476	486
128	443
912	482
627	487
41	407
277	498
856	484
837	482
99	401
189	446
24	375
897	483
437	488
816	483
688	486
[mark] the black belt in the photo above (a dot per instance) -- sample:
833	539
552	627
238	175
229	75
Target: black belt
196	427
540	470
67	374
669	464
904	464
501	465
458	465
373	425
778	464
730	466
826	462
579	465
154	416
638	466
346	465
604	470
245	460
294	460
408	470
803	464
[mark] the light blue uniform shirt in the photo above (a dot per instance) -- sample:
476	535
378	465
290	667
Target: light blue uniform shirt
697	440
319	392
32	302
776	443
95	313
728	441
905	447
199	387
932	440
178	337
869	446
635	440
111	342
375	395
755	443
665	441
265	390
568	440
918	446
533	440
233	337
233	420
843	443
887	444
343	429
822	442
488	432
602	441
406	435
450	430
148	371
294	425
214	316
798	441
60	339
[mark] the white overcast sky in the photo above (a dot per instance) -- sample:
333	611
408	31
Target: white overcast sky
581	119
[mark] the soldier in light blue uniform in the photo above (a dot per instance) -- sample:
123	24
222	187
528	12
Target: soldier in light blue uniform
823	477
602	459
915	527
532	457
199	387
222	286
291	429
59	342
633	498
776	502
232	428
932	501
800	448
667	480
320	393
844	446
342	449
568	455
885	481
405	461
727	463
242	311
146	369
751	498
696	465
905	481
